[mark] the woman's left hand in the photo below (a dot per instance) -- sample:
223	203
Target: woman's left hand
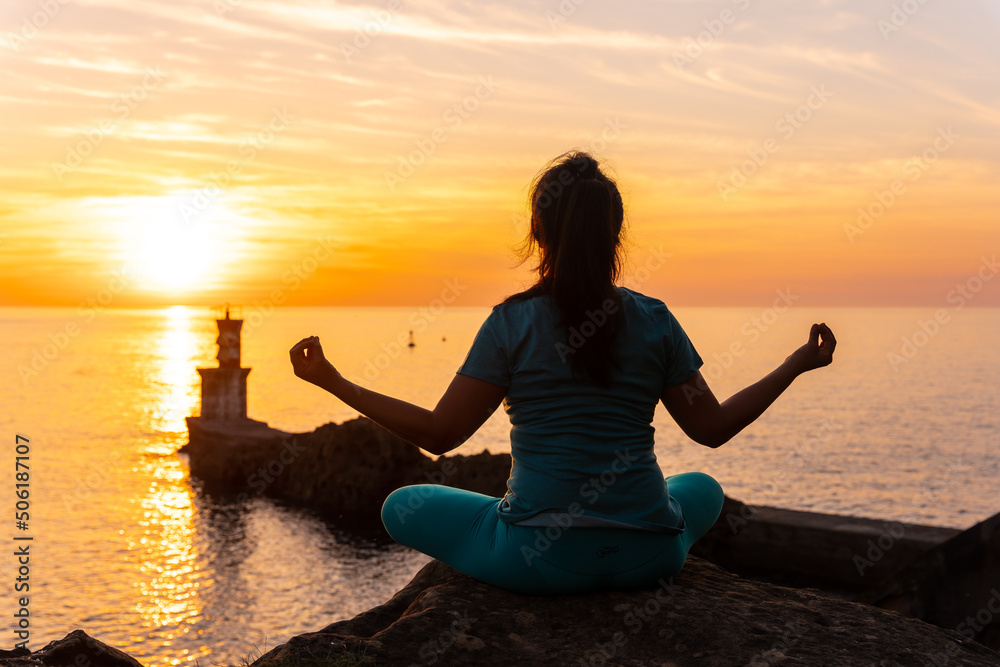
309	363
816	353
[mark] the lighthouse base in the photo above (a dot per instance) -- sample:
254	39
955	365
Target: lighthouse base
224	393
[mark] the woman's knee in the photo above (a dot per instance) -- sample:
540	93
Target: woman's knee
433	506
699	495
704	486
710	487
403	504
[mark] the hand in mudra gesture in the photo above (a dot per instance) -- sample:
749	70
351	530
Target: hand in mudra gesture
818	351
309	363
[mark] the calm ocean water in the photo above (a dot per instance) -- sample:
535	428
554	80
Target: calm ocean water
128	549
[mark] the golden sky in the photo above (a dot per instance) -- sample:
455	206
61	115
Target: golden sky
323	153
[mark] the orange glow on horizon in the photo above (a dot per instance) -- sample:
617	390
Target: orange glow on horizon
801	150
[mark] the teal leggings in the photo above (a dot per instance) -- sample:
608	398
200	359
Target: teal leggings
464	530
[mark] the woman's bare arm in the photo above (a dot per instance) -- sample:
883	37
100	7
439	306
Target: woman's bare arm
465	405
700	415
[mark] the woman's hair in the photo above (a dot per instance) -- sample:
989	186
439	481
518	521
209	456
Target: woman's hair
576	227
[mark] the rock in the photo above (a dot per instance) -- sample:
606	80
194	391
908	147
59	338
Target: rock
77	649
13	653
705	616
953	585
344	472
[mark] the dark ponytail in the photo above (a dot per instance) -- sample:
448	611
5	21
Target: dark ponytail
576	226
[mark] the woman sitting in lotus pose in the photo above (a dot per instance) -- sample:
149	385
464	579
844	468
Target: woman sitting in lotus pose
580	363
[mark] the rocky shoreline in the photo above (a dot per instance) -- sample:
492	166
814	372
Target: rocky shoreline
703	617
857	591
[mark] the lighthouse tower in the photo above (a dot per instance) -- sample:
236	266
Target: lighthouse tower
224	389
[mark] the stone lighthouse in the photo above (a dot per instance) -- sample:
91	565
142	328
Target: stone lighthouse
224	389
223	427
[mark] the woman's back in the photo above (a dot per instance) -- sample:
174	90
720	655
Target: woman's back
577	444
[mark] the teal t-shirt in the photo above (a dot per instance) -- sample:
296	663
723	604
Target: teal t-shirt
580	449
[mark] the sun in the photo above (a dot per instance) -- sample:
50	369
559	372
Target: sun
171	243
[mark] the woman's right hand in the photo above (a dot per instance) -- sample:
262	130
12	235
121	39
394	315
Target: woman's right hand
817	352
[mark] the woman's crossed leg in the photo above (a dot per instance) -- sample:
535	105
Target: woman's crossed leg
463	529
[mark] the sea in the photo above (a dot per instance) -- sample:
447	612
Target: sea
124	544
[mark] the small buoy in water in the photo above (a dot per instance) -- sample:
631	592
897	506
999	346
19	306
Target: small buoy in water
411	343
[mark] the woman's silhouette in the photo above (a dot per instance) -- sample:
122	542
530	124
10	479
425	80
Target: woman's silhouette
581	363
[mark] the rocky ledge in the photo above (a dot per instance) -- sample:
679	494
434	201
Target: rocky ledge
705	616
343	472
77	649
